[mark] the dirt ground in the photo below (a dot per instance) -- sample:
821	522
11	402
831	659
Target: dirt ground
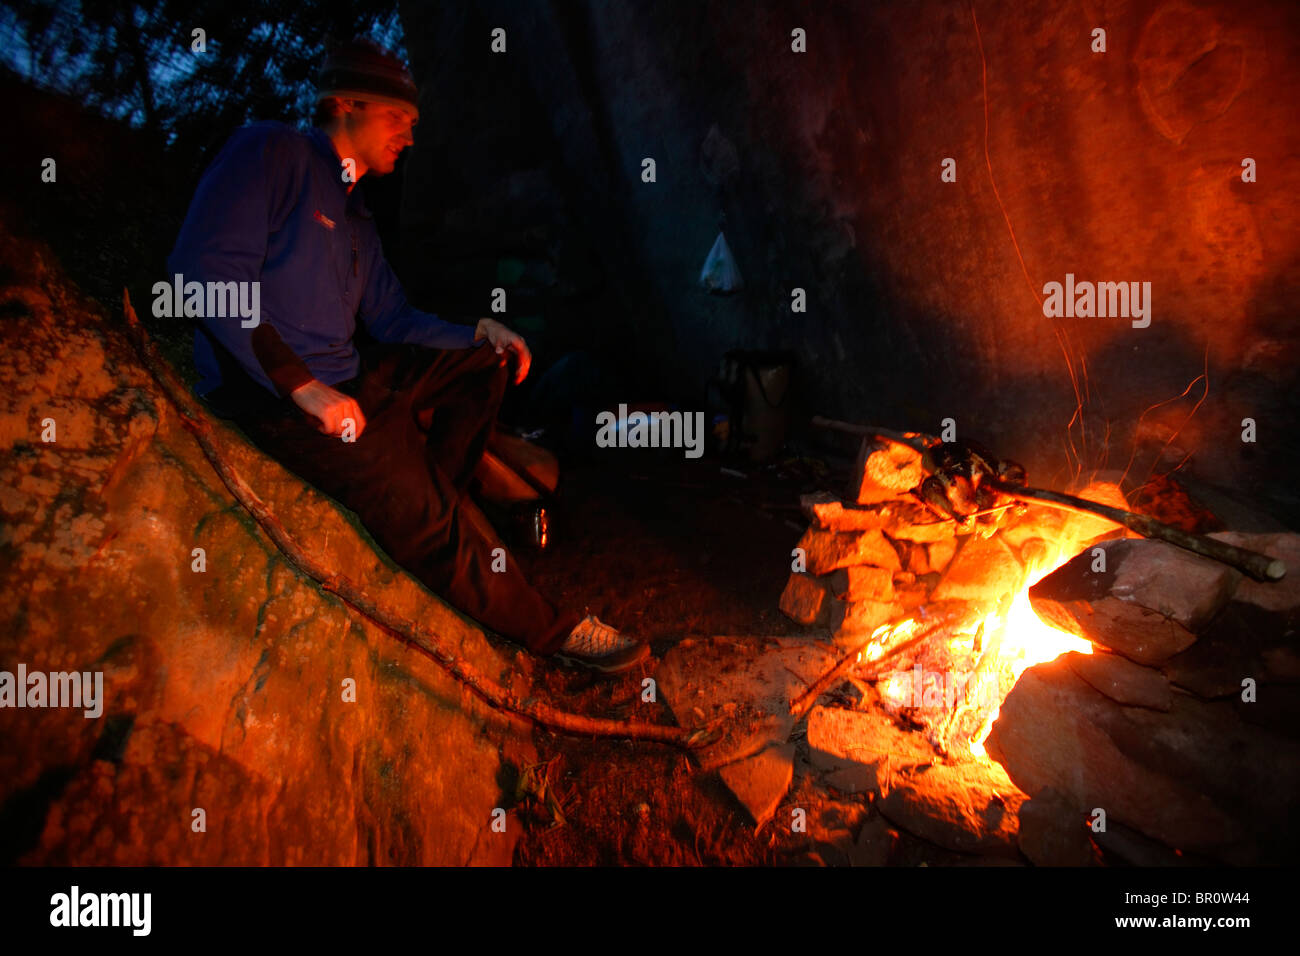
669	549
665	550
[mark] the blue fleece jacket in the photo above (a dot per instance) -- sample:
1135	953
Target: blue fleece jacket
273	208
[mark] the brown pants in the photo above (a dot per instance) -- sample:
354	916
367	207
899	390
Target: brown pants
429	414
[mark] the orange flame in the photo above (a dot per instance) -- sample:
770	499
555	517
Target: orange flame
1024	639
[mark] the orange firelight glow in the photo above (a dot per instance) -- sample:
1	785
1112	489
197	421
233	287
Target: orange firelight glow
1005	645
1023	639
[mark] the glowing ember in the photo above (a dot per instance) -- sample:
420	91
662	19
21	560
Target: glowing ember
883	636
954	686
896	688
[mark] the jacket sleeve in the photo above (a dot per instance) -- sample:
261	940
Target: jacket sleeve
247	191
390	318
282	366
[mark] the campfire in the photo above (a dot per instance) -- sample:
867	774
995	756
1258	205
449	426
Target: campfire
944	579
955	685
937	599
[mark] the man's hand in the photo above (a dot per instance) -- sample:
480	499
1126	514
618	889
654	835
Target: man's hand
501	339
329	407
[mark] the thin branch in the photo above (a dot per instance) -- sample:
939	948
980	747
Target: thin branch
804	702
197	423
1261	567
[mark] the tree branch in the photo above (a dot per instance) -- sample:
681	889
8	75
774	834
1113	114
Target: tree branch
197	423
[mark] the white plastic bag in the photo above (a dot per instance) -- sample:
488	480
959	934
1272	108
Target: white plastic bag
720	274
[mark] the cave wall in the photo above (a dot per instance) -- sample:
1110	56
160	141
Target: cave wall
1115	166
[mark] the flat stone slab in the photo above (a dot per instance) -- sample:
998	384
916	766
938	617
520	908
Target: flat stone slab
1123	681
1148	603
970	807
829	550
759	782
858	750
748	684
1184	587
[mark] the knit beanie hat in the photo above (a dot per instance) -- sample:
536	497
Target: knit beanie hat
365	71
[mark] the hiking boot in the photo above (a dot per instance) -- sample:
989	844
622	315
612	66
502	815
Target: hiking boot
600	647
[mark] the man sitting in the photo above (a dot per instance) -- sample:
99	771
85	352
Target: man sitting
395	431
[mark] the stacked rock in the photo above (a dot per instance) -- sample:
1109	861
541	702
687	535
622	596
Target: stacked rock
872	557
1181	726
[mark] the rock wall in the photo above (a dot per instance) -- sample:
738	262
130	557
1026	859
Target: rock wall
924	296
222	689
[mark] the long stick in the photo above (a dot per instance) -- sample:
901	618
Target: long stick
915	440
1259	566
197	423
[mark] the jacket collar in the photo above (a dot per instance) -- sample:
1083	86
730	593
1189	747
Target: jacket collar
325	146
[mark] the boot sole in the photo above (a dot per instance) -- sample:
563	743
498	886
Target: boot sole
595	665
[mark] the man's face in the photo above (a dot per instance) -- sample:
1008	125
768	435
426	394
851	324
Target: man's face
379	132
